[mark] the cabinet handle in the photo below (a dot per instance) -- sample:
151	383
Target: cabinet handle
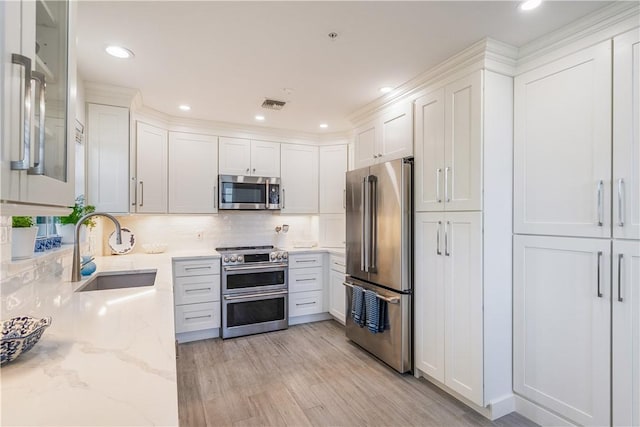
599	293
283	198
620	298
254	170
306	280
438	252
38	166
134	199
620	202
446	184
247	170
215	197
197	317
379	155
141	193
438	172
600	203
24	163
305	260
344	199
446	239
206	267
305	303
197	290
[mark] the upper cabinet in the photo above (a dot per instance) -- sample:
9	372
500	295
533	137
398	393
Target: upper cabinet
626	135
108	158
248	157
38	125
333	166
448	140
386	138
151	169
193	173
299	179
562	145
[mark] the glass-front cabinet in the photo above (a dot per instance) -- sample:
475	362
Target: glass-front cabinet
38	102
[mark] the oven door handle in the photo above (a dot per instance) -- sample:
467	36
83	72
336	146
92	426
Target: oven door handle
255	267
266	294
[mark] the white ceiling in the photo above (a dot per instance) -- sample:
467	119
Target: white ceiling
224	58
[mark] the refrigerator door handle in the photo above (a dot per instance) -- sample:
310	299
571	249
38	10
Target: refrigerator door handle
373	221
363	240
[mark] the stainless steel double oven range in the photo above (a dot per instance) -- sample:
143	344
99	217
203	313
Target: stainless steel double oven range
254	289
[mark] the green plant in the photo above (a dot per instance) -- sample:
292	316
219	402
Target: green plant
21	221
79	210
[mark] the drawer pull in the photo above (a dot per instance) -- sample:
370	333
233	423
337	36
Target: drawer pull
197	290
313	279
207	267
197	317
305	303
306	260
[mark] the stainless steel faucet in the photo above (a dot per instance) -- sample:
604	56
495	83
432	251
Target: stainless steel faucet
75	269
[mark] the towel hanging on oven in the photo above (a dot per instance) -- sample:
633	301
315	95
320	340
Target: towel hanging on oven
376	312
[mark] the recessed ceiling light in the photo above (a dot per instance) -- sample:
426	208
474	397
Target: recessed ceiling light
119	52
530	4
184	107
324	125
386	89
259	118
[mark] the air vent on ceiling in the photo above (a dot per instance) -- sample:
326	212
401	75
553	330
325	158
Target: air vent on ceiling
272	104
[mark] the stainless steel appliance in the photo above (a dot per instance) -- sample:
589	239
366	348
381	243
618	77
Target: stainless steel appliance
380	255
249	192
254	290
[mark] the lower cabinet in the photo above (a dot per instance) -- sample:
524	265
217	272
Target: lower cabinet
562	326
306	285
337	293
196	294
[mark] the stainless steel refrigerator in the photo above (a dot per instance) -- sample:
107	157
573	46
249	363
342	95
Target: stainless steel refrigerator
379	255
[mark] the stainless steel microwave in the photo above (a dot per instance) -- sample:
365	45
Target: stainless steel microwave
249	192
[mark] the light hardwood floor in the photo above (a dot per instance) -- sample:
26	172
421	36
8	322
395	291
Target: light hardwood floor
308	375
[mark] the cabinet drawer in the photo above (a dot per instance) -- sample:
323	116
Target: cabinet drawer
338	263
305	279
303	303
196	317
305	260
196	268
190	290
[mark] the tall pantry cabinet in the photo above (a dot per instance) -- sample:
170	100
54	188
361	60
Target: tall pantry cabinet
576	305
462	277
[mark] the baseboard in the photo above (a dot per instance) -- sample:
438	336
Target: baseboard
538	414
197	335
502	406
309	318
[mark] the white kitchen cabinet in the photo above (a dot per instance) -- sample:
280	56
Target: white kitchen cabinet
562	325
299	179
337	292
306	286
449	301
248	157
449	146
626	135
626	333
333	166
193	173
38	131
108	158
562	146
385	138
151	169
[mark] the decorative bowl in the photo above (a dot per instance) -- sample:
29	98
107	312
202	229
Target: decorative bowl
155	248
19	335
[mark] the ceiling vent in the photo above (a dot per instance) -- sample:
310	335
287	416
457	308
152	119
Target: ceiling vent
272	104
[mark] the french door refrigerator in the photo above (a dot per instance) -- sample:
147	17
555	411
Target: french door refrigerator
379	255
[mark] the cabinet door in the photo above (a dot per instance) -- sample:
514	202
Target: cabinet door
626	333
365	145
562	146
429	159
151	162
193	173
463	304
299	179
337	295
235	156
333	166
561	330
463	144
396	139
429	295
108	158
626	135
265	158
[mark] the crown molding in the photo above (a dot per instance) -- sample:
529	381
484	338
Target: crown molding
101	93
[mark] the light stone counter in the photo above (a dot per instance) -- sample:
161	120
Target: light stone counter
317	249
108	359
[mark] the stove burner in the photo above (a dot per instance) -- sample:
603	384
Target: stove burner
244	248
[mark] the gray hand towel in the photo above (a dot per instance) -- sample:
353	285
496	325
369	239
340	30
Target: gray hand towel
357	306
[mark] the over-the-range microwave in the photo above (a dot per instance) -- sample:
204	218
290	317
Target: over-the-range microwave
249	192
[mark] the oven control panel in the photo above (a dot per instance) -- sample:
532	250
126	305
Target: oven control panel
275	256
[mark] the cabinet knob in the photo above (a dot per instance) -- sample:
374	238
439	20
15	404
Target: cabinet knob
247	170
379	154
254	169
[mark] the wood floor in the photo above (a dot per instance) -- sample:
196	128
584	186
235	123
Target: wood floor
308	375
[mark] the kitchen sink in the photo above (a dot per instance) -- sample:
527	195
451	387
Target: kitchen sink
119	280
